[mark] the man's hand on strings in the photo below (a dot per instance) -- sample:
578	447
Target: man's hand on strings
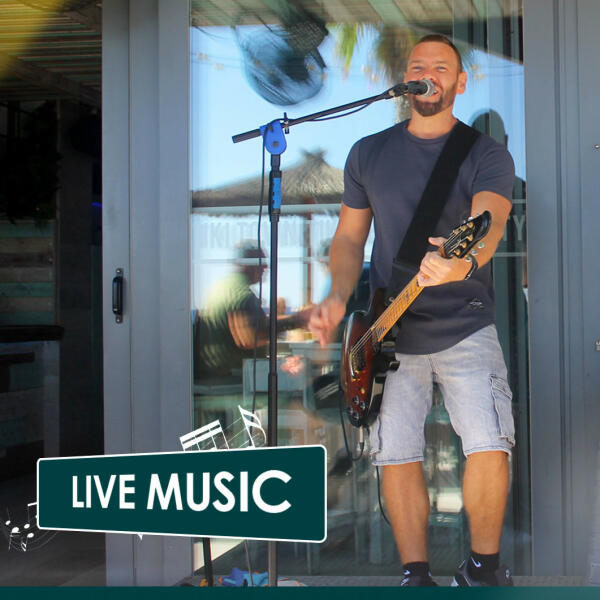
436	270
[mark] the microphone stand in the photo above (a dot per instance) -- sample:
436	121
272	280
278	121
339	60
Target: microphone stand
397	90
275	143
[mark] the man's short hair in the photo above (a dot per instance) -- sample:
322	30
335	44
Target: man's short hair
438	37
247	252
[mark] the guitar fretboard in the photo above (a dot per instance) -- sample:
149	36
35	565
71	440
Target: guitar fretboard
375	334
396	309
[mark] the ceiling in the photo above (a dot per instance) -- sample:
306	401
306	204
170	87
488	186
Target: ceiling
400	12
53	48
425	13
50	49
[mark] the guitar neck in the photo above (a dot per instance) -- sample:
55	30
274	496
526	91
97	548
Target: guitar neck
396	309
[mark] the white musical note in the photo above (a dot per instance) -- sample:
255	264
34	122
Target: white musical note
14	532
24	542
22	538
251	421
202	434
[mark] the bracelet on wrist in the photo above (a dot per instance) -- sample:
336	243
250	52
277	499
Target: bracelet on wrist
473	268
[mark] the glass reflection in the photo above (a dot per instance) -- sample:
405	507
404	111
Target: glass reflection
360	55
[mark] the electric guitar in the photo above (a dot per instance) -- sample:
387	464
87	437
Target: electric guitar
362	358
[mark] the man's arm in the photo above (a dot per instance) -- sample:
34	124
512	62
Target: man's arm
247	329
345	264
436	270
242	327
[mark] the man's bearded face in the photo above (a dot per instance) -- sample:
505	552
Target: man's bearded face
427	109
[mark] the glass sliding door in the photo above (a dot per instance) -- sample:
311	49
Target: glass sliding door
249	63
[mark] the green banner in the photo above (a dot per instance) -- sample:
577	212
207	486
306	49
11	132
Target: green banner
263	493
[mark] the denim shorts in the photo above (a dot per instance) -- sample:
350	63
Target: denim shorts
472	378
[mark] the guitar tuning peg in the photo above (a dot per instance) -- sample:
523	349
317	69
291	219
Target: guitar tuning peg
481	245
474	252
468	258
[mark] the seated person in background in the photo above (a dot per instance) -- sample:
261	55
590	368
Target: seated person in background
234	321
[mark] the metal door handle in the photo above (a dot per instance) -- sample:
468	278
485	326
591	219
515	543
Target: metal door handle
117	296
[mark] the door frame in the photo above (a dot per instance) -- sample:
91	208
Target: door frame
147	357
560	50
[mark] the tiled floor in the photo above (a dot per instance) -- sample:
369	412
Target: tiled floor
443	581
367	581
70	558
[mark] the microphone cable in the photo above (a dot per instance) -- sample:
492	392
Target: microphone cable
348	450
385	518
356	458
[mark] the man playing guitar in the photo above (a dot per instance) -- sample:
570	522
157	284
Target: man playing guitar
448	334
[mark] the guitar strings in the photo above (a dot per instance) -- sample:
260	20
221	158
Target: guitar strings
359	346
372	334
368	335
378	324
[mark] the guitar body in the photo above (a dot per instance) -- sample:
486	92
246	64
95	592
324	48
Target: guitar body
359	369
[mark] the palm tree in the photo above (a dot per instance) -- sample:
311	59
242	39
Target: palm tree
392	46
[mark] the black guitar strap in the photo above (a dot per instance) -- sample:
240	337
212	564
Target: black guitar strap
428	213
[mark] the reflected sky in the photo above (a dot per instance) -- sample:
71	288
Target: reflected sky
223	104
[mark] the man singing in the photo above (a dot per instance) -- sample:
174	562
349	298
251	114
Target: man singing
448	334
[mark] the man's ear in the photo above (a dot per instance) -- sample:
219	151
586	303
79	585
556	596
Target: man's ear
462	82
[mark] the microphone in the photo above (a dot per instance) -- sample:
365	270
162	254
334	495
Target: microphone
424	87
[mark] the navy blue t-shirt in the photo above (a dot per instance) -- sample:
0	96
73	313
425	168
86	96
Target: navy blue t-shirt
388	172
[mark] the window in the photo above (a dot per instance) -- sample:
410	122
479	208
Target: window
248	67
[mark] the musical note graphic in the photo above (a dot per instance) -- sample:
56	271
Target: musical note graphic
206	437
211	431
26	537
251	421
14	532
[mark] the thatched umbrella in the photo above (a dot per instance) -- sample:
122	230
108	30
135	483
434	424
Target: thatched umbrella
311	181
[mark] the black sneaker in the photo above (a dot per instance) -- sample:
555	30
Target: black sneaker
501	577
417	580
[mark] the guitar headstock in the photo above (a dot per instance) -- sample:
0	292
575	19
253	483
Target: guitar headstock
463	238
